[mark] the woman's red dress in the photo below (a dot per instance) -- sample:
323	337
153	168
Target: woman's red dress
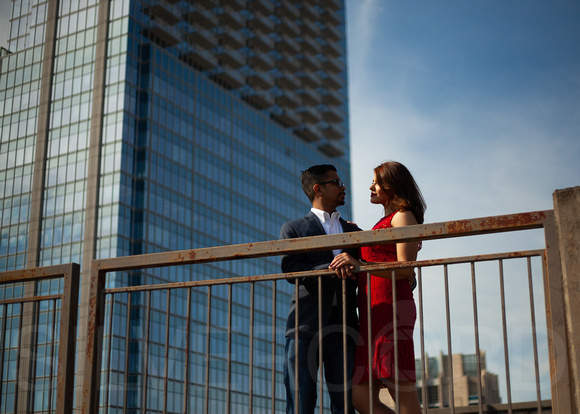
382	333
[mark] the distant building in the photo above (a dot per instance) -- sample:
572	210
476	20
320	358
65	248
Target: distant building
465	385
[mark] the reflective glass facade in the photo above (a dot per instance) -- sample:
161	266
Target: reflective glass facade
139	126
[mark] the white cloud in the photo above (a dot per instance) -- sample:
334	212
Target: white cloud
362	27
470	161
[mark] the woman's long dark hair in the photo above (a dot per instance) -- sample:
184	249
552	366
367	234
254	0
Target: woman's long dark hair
407	196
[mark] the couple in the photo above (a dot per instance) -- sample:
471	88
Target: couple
394	188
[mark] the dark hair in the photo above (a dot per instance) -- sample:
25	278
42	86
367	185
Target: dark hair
407	196
314	175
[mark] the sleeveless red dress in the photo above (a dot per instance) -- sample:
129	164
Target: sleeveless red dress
382	332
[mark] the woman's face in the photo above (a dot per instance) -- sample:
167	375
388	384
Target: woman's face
378	195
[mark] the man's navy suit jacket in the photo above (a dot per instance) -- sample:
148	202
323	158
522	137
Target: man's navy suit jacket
331	306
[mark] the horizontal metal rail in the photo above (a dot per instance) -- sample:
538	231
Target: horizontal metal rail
27	299
485	225
326	272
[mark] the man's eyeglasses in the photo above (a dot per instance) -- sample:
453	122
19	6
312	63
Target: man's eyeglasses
336	181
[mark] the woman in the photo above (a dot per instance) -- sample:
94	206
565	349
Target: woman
395	189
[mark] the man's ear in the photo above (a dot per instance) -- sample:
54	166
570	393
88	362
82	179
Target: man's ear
316	188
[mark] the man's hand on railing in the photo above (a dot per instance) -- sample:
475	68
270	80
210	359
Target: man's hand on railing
343	264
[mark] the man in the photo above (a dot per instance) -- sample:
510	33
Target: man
326	192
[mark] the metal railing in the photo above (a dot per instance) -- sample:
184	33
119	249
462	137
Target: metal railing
37	339
177	360
500	258
99	297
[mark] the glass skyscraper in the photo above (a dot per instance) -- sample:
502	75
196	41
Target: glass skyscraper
138	126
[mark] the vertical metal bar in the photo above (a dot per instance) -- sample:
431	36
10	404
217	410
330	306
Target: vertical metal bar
207	345
567	219
19	352
562	386
320	350
251	356
166	356
28	343
273	369
505	339
534	339
424	382
476	333
449	350
33	355
395	339
229	358
52	353
127	340
187	345
68	337
4	321
370	344
296	356
145	392
93	344
109	353
344	349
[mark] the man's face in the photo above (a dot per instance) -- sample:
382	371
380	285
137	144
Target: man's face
333	191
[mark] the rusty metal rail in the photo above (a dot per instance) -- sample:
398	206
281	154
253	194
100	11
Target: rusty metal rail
449	229
461	228
163	373
25	312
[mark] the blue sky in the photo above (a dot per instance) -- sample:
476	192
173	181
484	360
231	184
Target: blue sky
481	101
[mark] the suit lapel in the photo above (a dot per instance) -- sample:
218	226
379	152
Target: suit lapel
315	224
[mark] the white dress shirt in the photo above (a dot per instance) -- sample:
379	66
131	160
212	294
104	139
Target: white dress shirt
330	223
